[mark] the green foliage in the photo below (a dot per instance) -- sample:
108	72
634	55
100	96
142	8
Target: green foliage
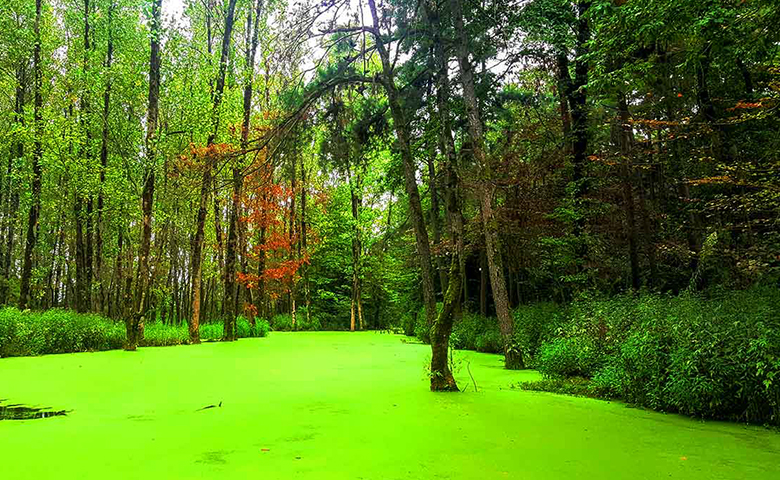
489	341
472	329
408	323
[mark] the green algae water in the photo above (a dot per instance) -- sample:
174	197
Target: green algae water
340	406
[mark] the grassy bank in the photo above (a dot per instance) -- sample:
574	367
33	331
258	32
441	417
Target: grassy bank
63	331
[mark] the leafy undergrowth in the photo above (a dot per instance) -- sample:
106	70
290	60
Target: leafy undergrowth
715	356
63	331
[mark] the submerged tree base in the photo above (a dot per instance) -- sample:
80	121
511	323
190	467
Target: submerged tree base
440	383
513	360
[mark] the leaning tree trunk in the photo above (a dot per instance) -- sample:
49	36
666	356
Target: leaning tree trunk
513	358
410	172
35	206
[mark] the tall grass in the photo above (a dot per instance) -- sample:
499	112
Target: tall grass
63	331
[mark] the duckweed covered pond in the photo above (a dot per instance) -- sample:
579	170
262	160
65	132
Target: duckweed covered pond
341	406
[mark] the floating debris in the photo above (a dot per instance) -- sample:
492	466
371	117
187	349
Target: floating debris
17	411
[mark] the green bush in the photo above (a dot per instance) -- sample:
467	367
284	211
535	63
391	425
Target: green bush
281	322
408	324
421	327
244	328
535	324
211	331
56	331
567	357
576	386
467	329
489	341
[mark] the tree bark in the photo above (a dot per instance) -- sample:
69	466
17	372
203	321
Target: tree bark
355	193
441	375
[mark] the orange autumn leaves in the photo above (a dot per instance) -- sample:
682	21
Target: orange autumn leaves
275	231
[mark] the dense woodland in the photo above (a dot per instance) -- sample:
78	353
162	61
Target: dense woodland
360	165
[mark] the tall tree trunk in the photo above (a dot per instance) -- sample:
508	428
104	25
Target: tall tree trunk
231	291
260	303
83	219
564	89
356	193
291	234
100	231
81	254
512	357
205	189
434	221
303	243
35	206
484	281
579	115
252	33
410	177
626	140
134	323
220	247
11	192
231	287
441	376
